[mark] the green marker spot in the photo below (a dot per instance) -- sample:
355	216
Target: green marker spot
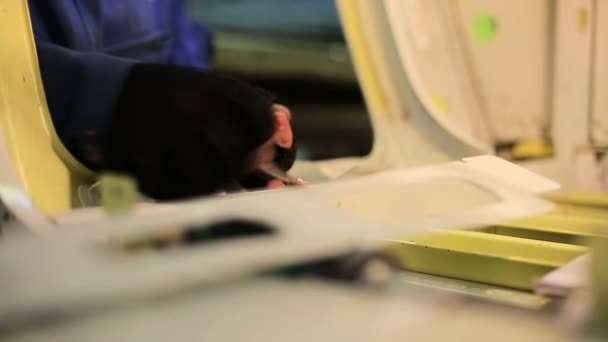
485	27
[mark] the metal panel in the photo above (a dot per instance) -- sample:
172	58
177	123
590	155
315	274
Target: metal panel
509	49
426	38
46	170
556	228
599	119
488	258
311	222
571	103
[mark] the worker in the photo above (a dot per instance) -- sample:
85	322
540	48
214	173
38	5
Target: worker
129	90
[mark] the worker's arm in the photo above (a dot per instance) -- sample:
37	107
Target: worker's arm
191	42
82	90
185	132
180	131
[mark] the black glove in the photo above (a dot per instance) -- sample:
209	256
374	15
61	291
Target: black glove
183	132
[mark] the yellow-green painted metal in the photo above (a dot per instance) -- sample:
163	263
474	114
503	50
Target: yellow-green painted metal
523	232
580	198
513	254
581	204
578	219
554	227
487	258
581	211
599	279
45	168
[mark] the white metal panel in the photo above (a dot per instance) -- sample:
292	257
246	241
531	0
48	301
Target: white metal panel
276	310
426	39
419	44
311	222
511	61
599	119
405	133
571	102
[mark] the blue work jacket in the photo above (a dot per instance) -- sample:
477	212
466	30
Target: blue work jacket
87	47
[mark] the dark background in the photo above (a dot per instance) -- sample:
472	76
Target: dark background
294	48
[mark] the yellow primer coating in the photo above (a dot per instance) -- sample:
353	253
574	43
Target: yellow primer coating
562	224
45	169
363	63
581	198
487	258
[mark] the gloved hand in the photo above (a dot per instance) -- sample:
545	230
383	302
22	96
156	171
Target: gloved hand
183	132
280	149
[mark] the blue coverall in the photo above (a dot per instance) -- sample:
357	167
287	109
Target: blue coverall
87	47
